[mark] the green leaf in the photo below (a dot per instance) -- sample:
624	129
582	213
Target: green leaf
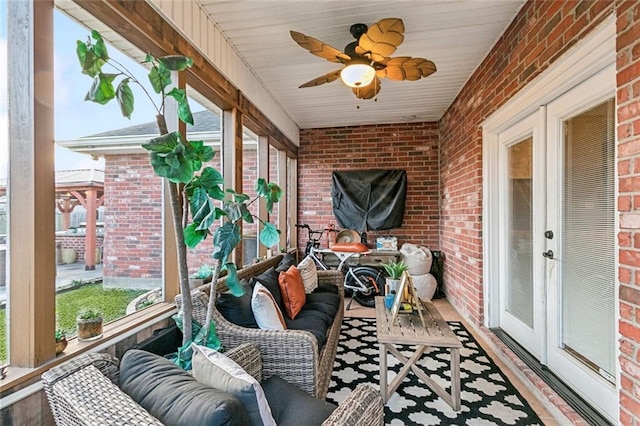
200	204
209	219
125	98
246	214
225	239
219	213
101	90
176	62
164	144
160	78
178	94
148	58
184	111
233	283
216	193
92	57
184	355
210	177
201	152
273	195
233	211
169	158
193	236
241	198
270	235
261	187
99	48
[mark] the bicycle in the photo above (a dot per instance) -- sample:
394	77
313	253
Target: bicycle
364	282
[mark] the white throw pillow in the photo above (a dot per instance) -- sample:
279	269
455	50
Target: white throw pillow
266	310
218	371
309	272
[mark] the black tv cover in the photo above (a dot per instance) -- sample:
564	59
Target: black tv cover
369	199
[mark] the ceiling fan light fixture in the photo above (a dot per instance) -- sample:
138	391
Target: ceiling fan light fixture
358	74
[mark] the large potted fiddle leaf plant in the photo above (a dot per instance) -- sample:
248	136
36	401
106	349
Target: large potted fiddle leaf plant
200	204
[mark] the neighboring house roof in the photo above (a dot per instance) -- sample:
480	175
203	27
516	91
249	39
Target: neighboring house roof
85	177
128	140
203	122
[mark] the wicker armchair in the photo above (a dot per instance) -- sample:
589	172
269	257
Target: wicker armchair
85	391
306	365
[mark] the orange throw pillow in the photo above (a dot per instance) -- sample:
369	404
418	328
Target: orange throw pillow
292	289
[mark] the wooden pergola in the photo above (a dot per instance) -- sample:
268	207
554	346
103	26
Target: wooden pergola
74	188
81	188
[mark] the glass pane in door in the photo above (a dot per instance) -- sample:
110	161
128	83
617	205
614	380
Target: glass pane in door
588	242
519	297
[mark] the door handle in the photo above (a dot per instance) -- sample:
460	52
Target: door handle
548	254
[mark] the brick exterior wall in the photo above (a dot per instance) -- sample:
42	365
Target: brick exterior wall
412	147
133	221
628	106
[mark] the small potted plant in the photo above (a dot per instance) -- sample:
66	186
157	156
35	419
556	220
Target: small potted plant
89	323
394	271
61	340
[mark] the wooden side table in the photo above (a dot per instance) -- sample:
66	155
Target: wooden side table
410	331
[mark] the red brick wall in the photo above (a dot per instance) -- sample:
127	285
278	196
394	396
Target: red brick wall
540	34
77	242
628	99
133	218
412	147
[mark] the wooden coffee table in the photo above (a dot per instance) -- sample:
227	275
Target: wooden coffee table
409	331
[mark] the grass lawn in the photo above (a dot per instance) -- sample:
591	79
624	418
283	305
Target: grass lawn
113	304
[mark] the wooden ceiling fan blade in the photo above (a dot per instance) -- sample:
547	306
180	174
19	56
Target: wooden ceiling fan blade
407	68
319	48
426	67
382	39
369	91
327	78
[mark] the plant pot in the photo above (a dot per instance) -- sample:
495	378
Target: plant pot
392	284
89	329
61	345
68	255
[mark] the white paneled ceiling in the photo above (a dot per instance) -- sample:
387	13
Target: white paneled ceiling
456	35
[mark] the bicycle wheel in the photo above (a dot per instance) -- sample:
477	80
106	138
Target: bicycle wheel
373	280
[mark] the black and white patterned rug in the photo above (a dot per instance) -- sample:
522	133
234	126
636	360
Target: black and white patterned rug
488	398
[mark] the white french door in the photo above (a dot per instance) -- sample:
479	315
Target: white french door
557	230
581	275
521	211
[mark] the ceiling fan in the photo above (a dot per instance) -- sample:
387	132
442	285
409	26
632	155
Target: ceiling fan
367	59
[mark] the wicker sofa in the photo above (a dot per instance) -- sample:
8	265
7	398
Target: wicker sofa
309	367
85	391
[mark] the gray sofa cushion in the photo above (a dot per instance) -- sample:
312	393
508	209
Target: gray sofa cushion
172	396
291	406
238	309
269	279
